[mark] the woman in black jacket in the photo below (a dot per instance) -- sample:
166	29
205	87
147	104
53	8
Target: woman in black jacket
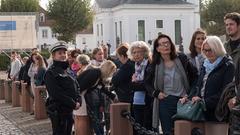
90	80
123	77
142	102
217	71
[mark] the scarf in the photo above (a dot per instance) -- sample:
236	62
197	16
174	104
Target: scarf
140	69
210	66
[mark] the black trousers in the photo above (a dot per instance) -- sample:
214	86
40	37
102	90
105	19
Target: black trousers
62	124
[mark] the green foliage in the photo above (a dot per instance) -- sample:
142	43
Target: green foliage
19	5
213	12
4	62
45	53
71	16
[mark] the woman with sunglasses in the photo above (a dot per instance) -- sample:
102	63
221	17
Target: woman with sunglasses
173	75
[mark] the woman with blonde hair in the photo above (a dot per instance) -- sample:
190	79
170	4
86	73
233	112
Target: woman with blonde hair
92	82
217	71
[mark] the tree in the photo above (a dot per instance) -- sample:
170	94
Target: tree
213	13
19	5
70	17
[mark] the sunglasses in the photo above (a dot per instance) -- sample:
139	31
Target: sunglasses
207	50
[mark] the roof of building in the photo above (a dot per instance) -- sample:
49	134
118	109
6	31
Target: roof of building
48	22
114	3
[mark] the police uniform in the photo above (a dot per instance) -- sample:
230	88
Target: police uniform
63	93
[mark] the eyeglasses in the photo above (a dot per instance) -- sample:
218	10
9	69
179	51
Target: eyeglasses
207	50
164	44
137	52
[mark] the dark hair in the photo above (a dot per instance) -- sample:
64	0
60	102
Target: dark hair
156	59
95	51
122	49
192	46
13	52
233	16
75	53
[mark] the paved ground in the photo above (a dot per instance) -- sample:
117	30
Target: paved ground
3	75
15	122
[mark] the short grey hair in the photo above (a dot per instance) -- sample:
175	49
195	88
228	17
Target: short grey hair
215	44
83	59
142	45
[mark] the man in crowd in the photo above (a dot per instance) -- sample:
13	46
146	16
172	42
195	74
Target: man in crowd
232	23
15	66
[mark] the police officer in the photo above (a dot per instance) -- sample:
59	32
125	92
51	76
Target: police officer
63	92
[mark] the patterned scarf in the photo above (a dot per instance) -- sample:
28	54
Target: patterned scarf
139	70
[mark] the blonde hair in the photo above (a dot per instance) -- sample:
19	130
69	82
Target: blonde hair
142	45
215	44
107	69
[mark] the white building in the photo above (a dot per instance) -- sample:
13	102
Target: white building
85	40
45	35
119	21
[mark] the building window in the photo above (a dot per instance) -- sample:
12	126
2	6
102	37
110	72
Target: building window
120	31
54	35
97	30
44	33
101	29
141	30
178	36
42	17
159	24
83	40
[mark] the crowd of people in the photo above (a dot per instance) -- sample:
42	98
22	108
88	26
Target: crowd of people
152	81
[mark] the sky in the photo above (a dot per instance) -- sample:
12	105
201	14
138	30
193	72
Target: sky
44	3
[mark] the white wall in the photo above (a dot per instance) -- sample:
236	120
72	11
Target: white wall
90	41
49	40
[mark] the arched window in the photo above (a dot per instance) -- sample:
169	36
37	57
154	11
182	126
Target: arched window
42	17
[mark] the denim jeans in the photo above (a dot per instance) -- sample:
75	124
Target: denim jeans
168	108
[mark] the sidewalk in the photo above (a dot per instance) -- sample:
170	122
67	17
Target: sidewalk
15	122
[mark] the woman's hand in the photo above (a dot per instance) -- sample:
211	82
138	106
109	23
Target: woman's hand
161	95
195	99
232	103
134	78
183	100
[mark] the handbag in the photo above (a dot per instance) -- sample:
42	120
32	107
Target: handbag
191	111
